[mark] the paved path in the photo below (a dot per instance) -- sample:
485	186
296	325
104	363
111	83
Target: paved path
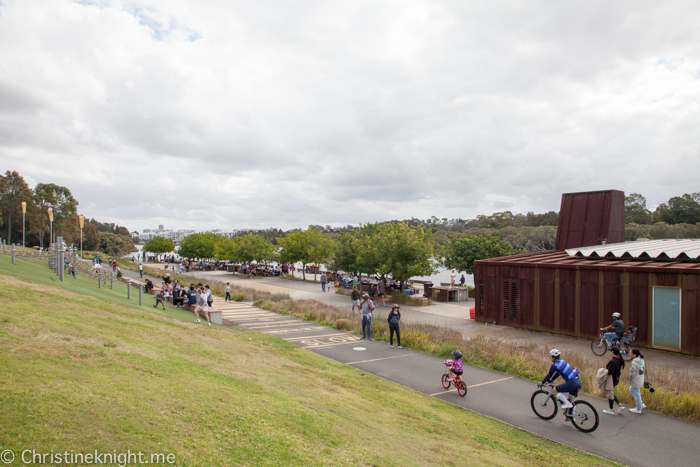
648	439
452	315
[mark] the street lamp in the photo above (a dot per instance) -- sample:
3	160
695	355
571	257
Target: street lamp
51	224
81	218
24	211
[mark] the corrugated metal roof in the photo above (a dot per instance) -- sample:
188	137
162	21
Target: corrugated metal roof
668	249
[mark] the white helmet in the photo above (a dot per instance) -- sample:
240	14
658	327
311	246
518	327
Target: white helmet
554	353
616	315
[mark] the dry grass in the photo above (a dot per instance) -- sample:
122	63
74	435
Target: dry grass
676	390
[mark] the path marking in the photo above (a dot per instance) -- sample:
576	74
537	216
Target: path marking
324	346
282	331
377	359
289	323
473	386
314	337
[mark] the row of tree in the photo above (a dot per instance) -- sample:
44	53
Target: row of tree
46	201
395	249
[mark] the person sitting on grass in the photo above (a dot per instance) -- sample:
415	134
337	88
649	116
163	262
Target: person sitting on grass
178	297
160	299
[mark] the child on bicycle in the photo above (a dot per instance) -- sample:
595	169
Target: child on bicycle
456	367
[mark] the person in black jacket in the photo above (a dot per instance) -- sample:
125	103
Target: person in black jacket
393	319
614	367
178	297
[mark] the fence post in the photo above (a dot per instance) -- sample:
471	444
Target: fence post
140	294
128	290
111	280
13	253
99	282
61	263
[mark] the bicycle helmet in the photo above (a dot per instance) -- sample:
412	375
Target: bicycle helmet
456	354
616	315
555	353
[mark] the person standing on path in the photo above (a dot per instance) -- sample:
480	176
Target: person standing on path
324	279
371	291
453	276
614	367
355	297
393	320
637	369
228	292
367	306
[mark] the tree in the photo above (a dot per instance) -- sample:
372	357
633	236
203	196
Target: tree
14	190
60	200
461	252
253	247
305	247
636	211
158	245
198	245
224	248
344	256
114	245
679	210
91	238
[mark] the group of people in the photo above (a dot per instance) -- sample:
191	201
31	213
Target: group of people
607	378
365	305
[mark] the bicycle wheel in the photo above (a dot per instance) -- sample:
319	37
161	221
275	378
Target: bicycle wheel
461	388
599	346
543	404
584	416
445	381
626	353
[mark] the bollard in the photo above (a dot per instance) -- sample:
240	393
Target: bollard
140	294
13	253
128	290
61	263
99	282
111	280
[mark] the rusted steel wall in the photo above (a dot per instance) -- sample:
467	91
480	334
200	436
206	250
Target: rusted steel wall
587	218
579	301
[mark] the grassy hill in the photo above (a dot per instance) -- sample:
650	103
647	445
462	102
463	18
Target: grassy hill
85	370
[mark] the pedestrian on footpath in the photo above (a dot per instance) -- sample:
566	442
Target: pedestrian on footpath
380	292
228	292
324	279
614	367
453	276
355	297
210	297
393	320
637	369
367	306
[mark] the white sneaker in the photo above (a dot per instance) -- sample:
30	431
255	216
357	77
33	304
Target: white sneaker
609	412
568	405
197	321
208	324
635	410
620	409
644	406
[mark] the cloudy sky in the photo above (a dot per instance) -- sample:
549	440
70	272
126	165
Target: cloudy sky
252	114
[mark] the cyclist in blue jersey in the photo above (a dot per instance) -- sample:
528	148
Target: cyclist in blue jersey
559	367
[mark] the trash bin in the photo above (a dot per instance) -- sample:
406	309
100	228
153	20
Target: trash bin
472	313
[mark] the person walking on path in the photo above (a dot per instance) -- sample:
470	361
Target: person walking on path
380	292
367	306
371	291
324	279
614	367
355	297
393	320
637	369
228	292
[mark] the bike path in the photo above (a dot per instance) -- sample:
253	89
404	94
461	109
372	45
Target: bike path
649	439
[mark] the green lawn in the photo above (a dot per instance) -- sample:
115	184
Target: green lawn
85	369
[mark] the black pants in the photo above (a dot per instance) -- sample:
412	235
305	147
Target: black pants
393	330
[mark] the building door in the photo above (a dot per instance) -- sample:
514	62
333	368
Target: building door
666	317
510	300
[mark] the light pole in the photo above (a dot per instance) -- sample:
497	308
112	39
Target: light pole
51	224
24	211
81	218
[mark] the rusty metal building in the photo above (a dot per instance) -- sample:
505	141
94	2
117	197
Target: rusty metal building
655	285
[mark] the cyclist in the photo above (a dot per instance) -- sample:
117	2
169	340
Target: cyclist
456	367
572	382
616	330
141	270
